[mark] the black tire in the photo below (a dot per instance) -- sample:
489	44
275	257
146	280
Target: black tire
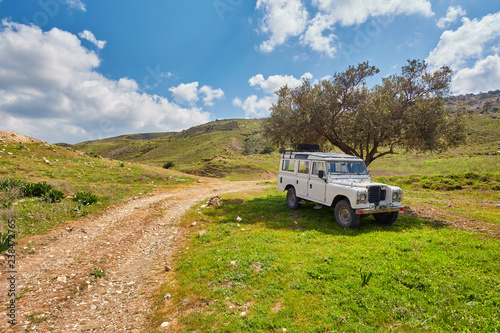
345	216
291	199
386	218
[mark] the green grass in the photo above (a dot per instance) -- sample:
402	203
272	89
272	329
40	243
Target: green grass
99	181
298	270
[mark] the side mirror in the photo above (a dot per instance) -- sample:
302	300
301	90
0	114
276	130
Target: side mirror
321	174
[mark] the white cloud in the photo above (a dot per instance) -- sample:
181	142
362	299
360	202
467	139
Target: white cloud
282	19
185	92
76	4
256	107
468	41
189	93
211	94
285	19
50	89
275	82
484	76
452	14
314	36
358	11
88	35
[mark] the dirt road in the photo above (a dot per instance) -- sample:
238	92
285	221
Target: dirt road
131	243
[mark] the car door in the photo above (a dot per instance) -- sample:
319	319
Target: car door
302	178
316	187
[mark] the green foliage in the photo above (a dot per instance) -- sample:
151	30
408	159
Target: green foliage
86	198
5	240
168	165
8	184
92	154
450	182
42	190
365	278
268	149
122	165
98	273
406	111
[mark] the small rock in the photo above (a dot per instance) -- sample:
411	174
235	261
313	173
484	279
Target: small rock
193	224
233	263
93	307
238	219
164	324
168	268
449	205
61	279
199	181
203	206
167	296
243	314
202	232
497	205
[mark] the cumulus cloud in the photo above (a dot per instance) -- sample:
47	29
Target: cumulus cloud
255	106
189	93
455	47
88	35
50	89
282	19
452	14
484	76
275	82
285	19
211	94
185	92
472	52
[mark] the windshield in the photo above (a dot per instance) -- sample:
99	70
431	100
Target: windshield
338	168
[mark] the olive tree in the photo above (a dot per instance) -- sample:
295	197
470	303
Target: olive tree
406	111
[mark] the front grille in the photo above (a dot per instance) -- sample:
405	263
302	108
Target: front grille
376	194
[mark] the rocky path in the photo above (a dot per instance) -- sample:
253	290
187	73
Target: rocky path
131	243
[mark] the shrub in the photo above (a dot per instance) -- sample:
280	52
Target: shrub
5	241
8	184
92	154
168	165
86	198
42	190
98	273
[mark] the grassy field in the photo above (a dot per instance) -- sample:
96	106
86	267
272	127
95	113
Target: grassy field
278	270
69	172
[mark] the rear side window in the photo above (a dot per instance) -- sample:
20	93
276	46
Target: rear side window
318	166
288	165
304	166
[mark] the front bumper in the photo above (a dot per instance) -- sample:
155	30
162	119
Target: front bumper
390	208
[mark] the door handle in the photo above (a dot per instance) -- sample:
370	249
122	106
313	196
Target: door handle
310	185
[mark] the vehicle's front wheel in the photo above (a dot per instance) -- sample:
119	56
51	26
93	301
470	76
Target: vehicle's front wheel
386	218
345	216
291	199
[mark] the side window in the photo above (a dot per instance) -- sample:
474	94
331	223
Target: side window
304	166
288	165
317	166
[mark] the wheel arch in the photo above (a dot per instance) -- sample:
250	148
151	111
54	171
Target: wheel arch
338	198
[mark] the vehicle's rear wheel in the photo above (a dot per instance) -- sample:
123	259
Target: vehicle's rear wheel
291	199
345	216
386	218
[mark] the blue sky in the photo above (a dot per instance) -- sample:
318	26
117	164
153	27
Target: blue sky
76	70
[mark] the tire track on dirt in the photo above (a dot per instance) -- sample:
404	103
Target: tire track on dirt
131	243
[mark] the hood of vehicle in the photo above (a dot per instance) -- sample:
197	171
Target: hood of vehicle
355	182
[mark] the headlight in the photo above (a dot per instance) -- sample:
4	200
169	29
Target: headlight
362	197
394	196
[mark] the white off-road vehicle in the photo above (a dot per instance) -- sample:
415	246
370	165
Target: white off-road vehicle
340	181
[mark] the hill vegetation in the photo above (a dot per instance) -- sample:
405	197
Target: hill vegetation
42	185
